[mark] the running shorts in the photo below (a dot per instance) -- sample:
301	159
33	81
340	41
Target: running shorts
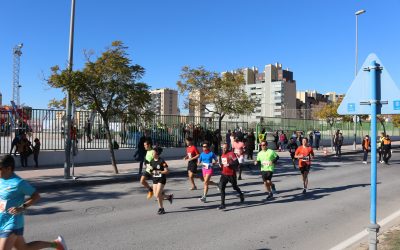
267	175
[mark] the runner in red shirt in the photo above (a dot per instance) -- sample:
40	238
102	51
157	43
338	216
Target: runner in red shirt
191	157
304	153
229	162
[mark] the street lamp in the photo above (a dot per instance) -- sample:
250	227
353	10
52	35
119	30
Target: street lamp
67	163
360	12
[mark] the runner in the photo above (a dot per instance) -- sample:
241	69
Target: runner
228	164
206	160
267	158
238	148
13	190
304	154
159	170
292	146
147	173
192	154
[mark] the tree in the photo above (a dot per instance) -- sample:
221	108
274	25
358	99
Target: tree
57	104
108	85
219	94
396	120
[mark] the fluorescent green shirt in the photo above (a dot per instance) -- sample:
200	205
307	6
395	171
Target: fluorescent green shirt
266	158
149	157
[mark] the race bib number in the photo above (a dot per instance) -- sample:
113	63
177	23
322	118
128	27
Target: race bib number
206	165
306	158
189	155
3	206
267	163
156	174
224	161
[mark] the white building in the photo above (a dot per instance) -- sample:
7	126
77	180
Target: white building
164	101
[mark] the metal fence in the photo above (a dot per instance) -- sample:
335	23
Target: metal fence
167	130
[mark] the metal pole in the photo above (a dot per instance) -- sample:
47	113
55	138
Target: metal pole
355	74
67	163
375	88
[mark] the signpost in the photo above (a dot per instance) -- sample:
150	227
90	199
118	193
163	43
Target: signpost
372	92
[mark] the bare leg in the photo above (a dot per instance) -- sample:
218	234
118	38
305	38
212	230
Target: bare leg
191	179
143	181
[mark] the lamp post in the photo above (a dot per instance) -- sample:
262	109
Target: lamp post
360	12
330	121
67	163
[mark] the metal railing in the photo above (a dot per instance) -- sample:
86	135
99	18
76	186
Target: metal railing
166	130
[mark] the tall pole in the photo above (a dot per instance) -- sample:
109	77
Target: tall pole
67	163
375	83
355	74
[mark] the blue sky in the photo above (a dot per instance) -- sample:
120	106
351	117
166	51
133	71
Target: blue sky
314	38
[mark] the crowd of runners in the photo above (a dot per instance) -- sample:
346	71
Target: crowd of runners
230	161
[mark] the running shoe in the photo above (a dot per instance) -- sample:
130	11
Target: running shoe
149	195
161	211
202	199
240	178
171	198
193	188
364	162
60	242
304	191
241	198
270	196
221	207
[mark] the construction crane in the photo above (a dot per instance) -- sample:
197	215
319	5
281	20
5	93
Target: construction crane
16	86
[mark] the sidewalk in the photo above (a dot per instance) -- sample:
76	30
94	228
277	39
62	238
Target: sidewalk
50	178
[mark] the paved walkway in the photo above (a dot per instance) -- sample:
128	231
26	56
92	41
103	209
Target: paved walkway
52	177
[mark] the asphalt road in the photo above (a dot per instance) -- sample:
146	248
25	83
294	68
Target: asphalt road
118	216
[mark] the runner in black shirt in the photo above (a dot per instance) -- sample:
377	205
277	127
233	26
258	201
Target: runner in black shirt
159	171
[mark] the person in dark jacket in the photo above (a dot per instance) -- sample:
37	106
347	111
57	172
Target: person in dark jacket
387	149
36	150
141	151
250	145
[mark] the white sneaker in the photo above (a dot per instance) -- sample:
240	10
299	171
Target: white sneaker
202	199
364	162
61	245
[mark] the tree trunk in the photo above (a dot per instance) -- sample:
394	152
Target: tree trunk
110	146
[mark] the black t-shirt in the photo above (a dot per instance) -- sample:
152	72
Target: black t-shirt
158	166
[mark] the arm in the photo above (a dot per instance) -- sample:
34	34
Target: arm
29	202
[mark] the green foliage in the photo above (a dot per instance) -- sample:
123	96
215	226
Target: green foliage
225	93
109	85
396	120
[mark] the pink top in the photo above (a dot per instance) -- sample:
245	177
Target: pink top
238	148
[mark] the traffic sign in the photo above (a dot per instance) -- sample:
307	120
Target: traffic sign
359	93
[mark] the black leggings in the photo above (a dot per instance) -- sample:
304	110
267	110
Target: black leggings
222	185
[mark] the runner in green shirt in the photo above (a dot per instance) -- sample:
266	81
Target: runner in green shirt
148	173
267	158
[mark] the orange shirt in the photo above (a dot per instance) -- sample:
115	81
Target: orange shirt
306	152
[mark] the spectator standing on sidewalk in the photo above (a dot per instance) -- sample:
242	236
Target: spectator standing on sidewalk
380	147
36	150
141	151
250	145
88	130
387	149
366	145
317	138
24	149
13	190
14	144
311	138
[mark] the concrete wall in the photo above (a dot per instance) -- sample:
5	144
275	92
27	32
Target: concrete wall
85	157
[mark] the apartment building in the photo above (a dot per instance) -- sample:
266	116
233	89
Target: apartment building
164	101
274	88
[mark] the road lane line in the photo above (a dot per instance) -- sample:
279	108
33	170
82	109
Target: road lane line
364	233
